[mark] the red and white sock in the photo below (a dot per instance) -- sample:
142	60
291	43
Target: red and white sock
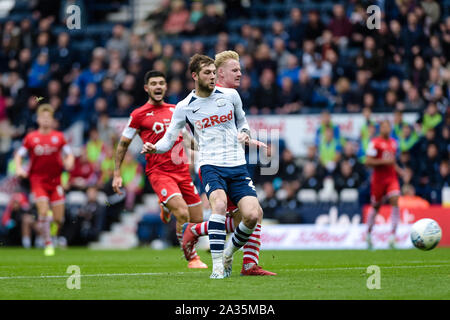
201	229
395	218
371	219
44	226
251	248
180	240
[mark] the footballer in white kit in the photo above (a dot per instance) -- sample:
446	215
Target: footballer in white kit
217	120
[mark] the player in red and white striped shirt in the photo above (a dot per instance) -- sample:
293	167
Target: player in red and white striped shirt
229	76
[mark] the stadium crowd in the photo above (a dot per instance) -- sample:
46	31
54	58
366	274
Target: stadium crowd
312	57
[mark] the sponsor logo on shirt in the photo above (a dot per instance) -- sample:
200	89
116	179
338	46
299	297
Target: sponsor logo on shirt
213	120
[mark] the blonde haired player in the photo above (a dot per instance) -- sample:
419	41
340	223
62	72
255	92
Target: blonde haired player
228	73
44	147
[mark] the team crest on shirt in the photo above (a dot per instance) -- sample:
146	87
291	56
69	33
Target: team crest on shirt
36	140
221	102
164	192
54	140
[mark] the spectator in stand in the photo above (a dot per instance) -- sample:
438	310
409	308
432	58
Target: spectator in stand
310	178
326	122
247	95
211	23
330	150
175	93
281	55
109	93
410	200
39	74
295	30
346	177
419	73
414	101
19	220
269	203
430	118
340	26
349	155
91	217
115	72
291	70
305	88
314	27
119	41
407	138
288	97
266	95
62	57
325	95
429	170
177	18
391	102
83	173
289	172
371	59
360	88
94	74
88	102
413	37
133	179
288	211
263	59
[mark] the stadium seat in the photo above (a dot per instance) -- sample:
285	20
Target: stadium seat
348	195
307	195
328	195
77	198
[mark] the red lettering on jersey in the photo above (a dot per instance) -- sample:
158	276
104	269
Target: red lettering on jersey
213	120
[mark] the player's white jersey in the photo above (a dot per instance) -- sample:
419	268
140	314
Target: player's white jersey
215	122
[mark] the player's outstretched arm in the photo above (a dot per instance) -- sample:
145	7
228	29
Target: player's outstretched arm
18	157
121	150
374	162
167	141
68	159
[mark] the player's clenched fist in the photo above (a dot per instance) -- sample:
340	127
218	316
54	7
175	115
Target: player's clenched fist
148	148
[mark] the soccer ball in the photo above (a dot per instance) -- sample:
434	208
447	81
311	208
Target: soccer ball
425	234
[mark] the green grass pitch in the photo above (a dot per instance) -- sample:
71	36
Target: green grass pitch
163	275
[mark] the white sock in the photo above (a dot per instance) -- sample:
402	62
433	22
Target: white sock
26	242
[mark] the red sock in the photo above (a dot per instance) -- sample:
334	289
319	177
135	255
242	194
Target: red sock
251	248
201	229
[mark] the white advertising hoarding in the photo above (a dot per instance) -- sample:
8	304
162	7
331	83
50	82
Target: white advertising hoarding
312	236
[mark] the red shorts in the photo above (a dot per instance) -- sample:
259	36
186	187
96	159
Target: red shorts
50	192
167	185
379	190
231	207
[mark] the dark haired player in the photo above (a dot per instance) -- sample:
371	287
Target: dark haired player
168	173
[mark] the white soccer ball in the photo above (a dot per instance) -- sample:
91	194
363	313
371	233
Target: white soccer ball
425	234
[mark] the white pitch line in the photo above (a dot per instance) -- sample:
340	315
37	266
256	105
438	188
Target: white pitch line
93	275
364	268
166	273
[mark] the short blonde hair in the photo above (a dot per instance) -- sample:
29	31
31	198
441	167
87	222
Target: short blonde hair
45	108
224	56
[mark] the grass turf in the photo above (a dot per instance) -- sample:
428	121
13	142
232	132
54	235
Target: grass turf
163	275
